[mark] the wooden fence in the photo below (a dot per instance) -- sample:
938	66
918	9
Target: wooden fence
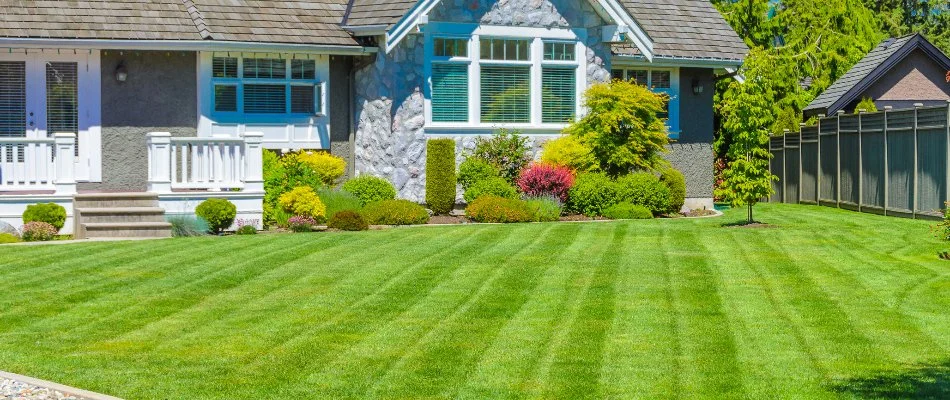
893	162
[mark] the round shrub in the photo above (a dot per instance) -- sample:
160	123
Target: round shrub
369	188
246	230
569	152
592	193
301	223
545	209
348	221
50	213
494	209
218	213
38	231
546	180
8	238
440	175
676	182
474	170
493	186
627	210
329	167
303	201
395	212
645	189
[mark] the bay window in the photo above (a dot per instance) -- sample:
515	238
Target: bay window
659	81
266	86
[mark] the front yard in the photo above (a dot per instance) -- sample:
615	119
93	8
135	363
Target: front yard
828	304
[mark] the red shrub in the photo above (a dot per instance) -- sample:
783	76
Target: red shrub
546	180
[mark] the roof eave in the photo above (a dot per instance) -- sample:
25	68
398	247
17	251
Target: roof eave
184	45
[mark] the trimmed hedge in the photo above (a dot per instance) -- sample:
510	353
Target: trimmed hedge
218	213
676	182
628	211
592	194
50	213
645	189
395	212
369	188
348	220
495	209
474	170
440	175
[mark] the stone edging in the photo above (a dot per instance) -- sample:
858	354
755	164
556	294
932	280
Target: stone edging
85	394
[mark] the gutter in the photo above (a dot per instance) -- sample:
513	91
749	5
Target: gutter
185	45
367	30
661	61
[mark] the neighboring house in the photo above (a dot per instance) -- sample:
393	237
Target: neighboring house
898	73
369	80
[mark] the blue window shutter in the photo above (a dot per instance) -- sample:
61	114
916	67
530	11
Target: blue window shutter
449	92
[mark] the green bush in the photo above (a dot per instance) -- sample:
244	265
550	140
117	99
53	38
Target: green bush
645	189
246	230
338	200
369	188
568	151
545	209
348	220
283	174
50	213
493	186
395	212
38	231
187	226
219	213
440	175
8	238
592	194
627	210
474	170
507	151
328	167
676	182
303	201
494	209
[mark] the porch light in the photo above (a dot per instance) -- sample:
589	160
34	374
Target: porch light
121	73
697	87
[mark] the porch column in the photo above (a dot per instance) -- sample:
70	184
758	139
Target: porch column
253	161
65	163
159	162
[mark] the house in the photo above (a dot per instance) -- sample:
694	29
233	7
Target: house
118	104
899	73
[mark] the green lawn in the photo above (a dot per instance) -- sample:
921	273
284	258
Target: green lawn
827	304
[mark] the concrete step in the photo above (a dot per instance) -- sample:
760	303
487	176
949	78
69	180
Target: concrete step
114	200
121	214
126	229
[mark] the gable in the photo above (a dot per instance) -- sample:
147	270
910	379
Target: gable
564	14
684	29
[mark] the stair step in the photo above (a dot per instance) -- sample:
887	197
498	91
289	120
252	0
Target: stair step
115	200
127	229
121	214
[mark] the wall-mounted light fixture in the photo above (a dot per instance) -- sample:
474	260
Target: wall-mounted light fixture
697	87
121	73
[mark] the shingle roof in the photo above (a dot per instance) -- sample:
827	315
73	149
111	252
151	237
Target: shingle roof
377	12
684	29
297	22
860	72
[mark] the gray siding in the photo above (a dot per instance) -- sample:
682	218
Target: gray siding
340	109
696	111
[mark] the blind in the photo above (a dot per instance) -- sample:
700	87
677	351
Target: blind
303	69
265	99
506	95
449	92
265	68
225	98
62	99
302	99
558	95
224	67
660	79
12	99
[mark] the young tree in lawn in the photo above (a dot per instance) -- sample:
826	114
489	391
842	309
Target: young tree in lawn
623	127
747	118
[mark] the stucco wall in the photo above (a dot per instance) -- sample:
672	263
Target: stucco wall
340	108
160	95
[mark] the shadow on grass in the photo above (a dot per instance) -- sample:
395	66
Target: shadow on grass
746	224
930	381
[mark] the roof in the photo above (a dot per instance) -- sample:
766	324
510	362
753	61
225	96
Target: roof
378	12
295	22
867	71
691	29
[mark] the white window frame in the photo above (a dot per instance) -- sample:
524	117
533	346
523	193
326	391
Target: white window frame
673	121
474	33
318	89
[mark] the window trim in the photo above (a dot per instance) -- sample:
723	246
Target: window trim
287	82
673	121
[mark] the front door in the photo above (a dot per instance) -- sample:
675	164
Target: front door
43	92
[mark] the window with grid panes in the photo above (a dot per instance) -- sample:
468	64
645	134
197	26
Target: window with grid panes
269	86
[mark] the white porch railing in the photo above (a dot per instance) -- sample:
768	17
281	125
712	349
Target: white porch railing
36	164
211	164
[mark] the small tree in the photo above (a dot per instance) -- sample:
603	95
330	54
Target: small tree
622	127
747	117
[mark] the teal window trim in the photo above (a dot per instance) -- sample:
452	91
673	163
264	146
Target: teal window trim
267	73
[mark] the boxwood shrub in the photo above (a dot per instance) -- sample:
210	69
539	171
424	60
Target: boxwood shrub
628	210
369	188
676	182
492	186
348	220
645	189
395	212
474	170
495	209
592	194
50	213
218	213
440	175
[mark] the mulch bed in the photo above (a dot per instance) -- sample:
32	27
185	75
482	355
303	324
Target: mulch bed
698	213
447	220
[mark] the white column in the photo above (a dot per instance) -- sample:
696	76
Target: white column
65	163
159	162
253	162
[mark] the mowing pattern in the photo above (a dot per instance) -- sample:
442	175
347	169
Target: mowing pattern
828	304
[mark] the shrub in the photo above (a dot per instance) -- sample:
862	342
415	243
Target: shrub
474	170
494	186
546	180
545	209
8	238
50	213
568	151
283	174
395	212
592	193
867	104
496	209
645	189
676	182
507	151
38	231
302	201
440	175
219	213
301	223
338	200
246	230
329	167
628	210
187	226
348	221
369	188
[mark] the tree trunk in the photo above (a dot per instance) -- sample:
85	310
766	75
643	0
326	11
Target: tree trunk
750	214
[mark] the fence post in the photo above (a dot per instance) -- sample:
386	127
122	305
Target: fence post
818	168
838	159
784	165
916	161
253	162
887	193
801	156
769	199
159	162
946	177
860	160
65	158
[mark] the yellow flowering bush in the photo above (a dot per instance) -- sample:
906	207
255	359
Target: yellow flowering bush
330	167
303	201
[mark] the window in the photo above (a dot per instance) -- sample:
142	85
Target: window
267	86
659	81
557	95
559	51
450	47
449	92
505	49
506	94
